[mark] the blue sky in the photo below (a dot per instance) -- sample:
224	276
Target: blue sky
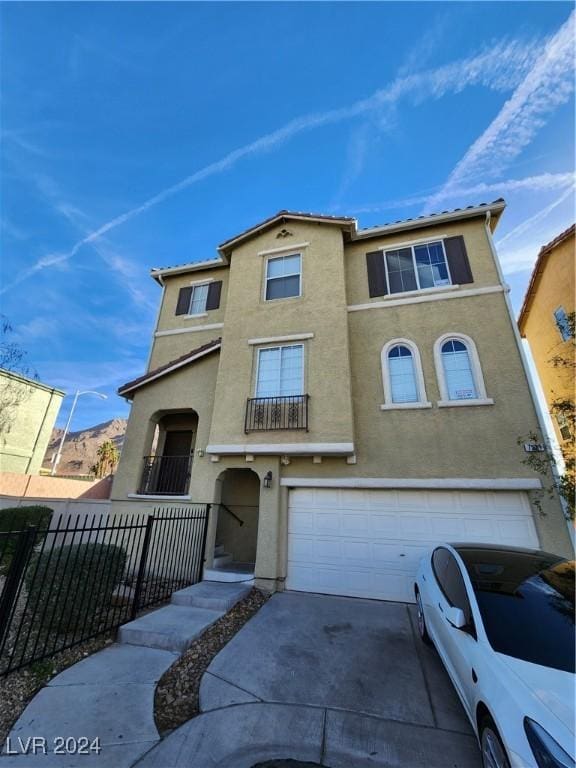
137	135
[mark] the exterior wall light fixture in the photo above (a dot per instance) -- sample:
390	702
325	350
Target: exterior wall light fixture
267	482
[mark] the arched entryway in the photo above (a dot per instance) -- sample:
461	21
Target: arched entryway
168	465
237	529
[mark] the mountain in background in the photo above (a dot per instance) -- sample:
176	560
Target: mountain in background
79	451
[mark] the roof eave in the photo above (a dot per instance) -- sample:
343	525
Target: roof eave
194	266
495	209
347	224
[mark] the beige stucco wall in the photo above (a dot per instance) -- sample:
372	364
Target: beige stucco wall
320	310
24	444
555	288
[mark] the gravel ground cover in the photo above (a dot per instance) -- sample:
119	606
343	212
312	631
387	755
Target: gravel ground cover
176	699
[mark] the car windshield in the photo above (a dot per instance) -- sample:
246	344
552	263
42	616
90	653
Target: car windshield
526	600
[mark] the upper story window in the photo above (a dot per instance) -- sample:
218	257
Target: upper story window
280	371
283	277
458	370
402	376
563	323
419	266
198	300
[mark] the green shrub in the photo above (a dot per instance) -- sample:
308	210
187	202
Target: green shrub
72	584
16	519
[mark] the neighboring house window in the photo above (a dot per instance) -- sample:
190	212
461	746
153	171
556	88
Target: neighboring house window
402	376
458	370
283	277
198	300
419	266
562	323
280	371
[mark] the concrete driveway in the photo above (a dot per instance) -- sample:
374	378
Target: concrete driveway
341	682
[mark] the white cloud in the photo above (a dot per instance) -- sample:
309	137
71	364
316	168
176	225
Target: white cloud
545	87
543	182
500	67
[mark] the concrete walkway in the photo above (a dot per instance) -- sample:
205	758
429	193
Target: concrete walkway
110	696
336	681
340	682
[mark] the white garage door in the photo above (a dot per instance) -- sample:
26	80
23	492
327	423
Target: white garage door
367	543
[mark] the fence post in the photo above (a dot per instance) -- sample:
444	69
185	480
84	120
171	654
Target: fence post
16	570
142	566
204	536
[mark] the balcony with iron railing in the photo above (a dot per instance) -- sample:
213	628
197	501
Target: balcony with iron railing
275	413
166	475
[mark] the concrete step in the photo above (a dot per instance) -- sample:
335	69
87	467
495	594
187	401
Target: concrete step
219	550
217	596
172	628
233	572
220	561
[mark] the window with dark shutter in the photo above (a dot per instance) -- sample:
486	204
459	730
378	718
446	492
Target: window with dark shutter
457	258
376	274
184	299
214	291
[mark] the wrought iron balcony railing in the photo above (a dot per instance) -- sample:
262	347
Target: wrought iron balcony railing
166	475
271	413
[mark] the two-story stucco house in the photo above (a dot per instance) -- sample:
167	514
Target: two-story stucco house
352	395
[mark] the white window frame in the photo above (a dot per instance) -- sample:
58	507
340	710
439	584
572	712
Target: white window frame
194	286
412	246
388	404
280	346
481	396
272	257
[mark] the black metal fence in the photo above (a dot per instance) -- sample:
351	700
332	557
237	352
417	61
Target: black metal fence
270	413
86	575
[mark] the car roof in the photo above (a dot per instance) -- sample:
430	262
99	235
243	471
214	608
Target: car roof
463	547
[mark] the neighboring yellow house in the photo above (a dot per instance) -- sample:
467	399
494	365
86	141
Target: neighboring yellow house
549	300
354	396
28	411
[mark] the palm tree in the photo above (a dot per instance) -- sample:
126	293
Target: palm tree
108	457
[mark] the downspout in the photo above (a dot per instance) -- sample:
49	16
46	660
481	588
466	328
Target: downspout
527	372
40	430
161	281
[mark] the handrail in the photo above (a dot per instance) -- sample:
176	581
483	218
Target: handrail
227	509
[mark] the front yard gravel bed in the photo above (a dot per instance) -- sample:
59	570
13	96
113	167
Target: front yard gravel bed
176	700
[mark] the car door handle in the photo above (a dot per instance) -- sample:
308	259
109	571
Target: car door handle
441	609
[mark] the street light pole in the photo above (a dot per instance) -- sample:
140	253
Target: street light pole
67	427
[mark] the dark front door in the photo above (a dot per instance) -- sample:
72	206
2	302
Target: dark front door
174	470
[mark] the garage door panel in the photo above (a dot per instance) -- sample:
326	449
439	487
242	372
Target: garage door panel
368	543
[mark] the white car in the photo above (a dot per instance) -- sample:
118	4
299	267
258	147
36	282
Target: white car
502	621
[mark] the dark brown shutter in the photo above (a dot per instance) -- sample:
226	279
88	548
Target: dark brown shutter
184	298
460	271
214	291
376	274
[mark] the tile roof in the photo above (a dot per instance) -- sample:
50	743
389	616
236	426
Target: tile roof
430	215
162	370
538	268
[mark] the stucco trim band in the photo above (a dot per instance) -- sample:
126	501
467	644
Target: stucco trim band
294	247
274	339
442	483
273	449
441	295
194	329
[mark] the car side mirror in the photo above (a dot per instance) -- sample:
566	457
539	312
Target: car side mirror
455	617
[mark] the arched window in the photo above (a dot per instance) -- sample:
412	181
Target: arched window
459	373
402	376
